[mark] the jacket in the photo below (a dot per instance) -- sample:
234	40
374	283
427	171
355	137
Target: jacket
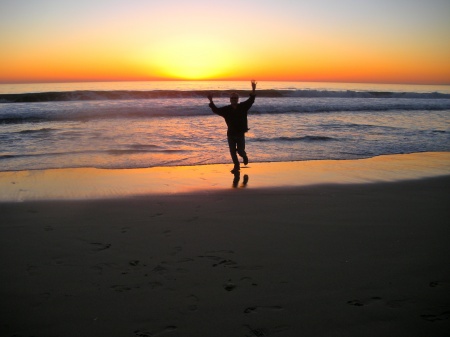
236	119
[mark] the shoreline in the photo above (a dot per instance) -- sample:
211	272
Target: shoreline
91	183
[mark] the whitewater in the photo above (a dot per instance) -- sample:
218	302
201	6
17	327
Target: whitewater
144	124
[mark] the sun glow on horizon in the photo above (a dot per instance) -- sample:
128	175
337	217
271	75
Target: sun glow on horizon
190	58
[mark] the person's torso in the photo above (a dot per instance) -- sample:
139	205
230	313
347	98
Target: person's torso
236	119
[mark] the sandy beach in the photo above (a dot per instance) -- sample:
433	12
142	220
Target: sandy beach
326	248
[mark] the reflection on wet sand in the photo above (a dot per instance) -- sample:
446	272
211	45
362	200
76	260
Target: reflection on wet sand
237	178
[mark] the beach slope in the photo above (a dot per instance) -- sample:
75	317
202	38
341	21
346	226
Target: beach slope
329	259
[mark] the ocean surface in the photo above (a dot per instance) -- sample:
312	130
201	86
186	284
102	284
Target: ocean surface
144	124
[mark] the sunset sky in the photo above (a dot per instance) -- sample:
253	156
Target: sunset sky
396	41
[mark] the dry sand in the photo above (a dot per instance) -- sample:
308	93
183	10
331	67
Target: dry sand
334	259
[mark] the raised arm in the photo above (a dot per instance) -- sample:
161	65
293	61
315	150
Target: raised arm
249	102
213	107
253	88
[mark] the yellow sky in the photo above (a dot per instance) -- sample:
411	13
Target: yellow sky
396	41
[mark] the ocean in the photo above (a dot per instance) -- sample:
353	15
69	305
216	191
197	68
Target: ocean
119	125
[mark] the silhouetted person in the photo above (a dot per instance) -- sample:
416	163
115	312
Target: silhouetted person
235	116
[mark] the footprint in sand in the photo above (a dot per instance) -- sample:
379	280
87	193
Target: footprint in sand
38	300
167	329
360	303
32	270
160	269
225	263
100	267
176	250
256	267
438	284
259	332
98	246
229	286
250	310
163	270
120	288
134	263
154	285
215	258
395	303
356	303
192	303
439	317
223	251
249	280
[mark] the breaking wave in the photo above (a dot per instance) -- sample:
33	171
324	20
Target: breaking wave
92	95
295	139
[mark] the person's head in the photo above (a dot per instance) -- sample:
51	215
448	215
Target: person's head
234	98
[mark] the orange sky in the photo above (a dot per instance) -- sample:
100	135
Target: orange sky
325	40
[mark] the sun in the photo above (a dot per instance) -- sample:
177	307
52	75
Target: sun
191	58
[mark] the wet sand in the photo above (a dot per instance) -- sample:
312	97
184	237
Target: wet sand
363	252
90	183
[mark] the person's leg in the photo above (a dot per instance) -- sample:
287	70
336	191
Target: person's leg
232	143
240	142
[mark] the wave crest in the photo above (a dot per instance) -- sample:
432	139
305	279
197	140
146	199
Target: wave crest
295	139
91	95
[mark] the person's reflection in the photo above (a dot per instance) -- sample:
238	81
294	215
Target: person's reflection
237	178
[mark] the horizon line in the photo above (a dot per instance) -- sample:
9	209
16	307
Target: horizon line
217	80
